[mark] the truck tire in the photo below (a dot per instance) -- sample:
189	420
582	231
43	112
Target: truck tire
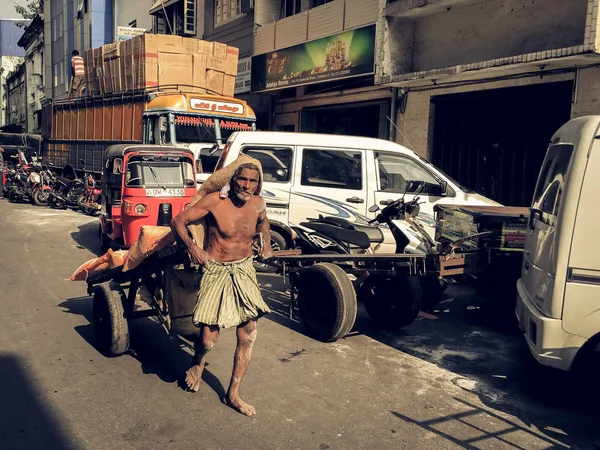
327	301
391	302
277	243
110	324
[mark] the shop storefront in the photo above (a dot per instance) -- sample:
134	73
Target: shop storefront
325	86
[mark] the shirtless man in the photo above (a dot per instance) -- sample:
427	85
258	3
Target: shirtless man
229	294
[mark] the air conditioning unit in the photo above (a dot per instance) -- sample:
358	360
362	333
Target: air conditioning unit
246	6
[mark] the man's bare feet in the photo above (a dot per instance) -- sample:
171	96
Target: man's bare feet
193	377
239	405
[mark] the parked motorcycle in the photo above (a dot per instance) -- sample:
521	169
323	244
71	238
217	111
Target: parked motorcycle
19	188
89	200
66	191
41	192
408	294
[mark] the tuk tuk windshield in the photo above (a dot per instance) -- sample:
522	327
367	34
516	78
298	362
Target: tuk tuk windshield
159	173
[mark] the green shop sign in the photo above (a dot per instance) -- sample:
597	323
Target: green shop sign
342	55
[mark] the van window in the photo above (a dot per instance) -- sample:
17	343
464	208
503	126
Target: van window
395	171
551	181
332	168
276	162
209	161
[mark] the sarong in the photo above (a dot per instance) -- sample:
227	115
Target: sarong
229	294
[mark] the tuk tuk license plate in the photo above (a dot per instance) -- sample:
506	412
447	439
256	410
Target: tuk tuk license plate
164	192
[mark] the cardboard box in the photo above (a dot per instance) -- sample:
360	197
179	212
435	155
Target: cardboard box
111	51
218	64
126	72
145	76
174	69
199	73
115	74
231	66
145	46
169	44
218	50
205	47
214	81
190	46
107	78
229	85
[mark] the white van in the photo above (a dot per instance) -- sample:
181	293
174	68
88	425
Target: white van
558	294
309	174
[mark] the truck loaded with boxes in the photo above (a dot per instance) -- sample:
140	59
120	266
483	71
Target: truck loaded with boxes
151	89
150	61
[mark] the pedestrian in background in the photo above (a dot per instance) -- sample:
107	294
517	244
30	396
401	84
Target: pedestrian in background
78	73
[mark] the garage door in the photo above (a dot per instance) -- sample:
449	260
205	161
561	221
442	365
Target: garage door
494	142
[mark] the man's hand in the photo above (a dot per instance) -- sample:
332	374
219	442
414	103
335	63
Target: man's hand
198	255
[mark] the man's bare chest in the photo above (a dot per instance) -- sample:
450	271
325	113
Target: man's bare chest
232	222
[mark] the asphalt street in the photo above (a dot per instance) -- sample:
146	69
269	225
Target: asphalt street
462	379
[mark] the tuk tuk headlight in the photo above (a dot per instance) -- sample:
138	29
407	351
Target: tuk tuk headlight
140	208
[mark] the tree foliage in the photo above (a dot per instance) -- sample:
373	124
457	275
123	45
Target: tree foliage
31	10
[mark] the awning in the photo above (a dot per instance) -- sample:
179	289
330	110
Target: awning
159	4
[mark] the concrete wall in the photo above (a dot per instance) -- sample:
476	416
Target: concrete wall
587	93
127	11
484	31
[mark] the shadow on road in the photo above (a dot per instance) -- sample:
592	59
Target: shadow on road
87	237
27	421
477	339
158	353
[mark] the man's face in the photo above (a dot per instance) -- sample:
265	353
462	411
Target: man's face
245	184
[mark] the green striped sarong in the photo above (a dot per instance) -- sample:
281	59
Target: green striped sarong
229	294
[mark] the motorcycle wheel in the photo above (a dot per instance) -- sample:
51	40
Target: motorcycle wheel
12	197
41	197
391	302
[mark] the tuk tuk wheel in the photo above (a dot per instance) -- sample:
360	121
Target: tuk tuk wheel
110	324
327	301
391	302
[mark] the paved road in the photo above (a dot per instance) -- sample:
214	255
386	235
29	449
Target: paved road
464	380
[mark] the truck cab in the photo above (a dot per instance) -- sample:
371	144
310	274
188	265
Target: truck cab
558	294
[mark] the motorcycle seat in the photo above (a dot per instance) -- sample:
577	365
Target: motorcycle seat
374	233
66	181
358	238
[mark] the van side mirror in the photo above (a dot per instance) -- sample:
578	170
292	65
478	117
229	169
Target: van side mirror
443	187
534	215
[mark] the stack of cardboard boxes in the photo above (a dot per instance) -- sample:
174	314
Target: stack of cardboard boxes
152	61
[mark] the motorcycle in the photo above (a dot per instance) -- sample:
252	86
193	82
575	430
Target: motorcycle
89	200
41	192
66	191
336	235
18	185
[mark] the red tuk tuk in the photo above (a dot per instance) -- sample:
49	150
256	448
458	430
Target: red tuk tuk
143	185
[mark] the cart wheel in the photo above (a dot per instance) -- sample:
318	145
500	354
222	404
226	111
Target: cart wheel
110	324
327	301
391	302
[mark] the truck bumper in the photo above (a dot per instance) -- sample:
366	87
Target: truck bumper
548	342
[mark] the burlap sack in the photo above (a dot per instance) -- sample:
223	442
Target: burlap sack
91	267
150	240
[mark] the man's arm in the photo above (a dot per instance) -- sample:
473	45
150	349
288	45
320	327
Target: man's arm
264	227
72	68
180	222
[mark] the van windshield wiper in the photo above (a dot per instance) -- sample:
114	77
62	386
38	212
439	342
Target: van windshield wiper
156	177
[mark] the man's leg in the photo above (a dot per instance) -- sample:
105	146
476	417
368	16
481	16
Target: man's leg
246	335
204	343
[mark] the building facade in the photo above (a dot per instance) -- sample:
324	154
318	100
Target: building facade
16	98
72	25
482	85
11	55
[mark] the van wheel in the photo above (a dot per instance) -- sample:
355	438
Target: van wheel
391	302
432	290
326	301
277	243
